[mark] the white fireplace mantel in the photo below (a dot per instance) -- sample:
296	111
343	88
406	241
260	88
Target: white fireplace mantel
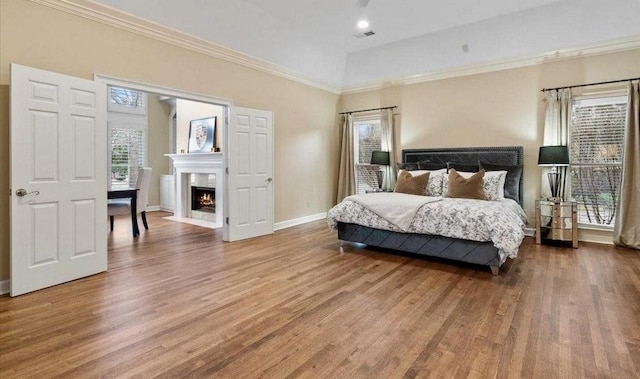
196	163
196	160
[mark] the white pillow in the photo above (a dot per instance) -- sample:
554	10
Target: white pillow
436	178
493	184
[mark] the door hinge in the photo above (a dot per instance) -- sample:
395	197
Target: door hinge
226	170
227	220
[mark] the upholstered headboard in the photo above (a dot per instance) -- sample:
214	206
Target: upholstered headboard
498	156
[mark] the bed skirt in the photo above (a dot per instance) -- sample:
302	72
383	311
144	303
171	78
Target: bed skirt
481	253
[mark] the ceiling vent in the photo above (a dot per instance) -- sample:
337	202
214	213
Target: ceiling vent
364	34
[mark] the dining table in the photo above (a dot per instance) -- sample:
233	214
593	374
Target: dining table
132	195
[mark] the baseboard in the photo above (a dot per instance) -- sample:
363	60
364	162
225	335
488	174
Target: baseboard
595	236
299	221
5	287
584	235
153	208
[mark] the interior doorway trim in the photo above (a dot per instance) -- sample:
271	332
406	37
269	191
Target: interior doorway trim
160	90
184	95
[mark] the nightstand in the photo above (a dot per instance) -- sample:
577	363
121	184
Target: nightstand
557	221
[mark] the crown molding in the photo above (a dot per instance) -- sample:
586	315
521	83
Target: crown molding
112	17
612	46
123	21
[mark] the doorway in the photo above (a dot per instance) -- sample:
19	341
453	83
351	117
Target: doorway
246	165
170	119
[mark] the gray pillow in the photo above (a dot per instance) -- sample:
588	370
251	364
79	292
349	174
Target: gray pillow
512	181
462	167
408	166
424	165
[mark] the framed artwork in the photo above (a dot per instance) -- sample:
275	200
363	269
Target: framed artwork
202	135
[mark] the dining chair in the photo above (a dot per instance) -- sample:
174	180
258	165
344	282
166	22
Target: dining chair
117	207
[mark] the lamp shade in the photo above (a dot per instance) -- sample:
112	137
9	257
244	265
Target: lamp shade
553	156
380	158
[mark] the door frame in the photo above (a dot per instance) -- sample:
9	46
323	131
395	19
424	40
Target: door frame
184	95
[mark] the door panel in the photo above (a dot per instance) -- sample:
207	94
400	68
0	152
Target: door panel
250	181
84	129
44	249
59	157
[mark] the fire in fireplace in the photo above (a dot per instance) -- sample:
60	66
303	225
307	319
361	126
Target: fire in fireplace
203	199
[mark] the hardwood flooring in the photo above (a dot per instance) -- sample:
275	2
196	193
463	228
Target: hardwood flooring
178	302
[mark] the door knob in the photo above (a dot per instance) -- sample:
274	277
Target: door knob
21	192
269	180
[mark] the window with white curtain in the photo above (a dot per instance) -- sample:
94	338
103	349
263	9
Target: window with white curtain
127	120
367	139
596	140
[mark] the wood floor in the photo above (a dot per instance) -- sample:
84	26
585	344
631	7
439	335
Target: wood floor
178	302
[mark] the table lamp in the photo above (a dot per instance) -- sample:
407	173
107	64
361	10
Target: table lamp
380	158
554	156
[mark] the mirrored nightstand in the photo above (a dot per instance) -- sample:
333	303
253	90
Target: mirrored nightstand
557	221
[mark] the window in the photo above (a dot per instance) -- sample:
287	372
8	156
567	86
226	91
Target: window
127	101
127	119
127	156
596	141
367	138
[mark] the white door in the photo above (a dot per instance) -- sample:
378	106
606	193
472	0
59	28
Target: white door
249	159
58	179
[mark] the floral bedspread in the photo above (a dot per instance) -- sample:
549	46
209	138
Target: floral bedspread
501	222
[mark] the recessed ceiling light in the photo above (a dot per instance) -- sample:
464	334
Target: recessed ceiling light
363	24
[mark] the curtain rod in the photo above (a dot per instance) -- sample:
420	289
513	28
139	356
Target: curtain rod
590	84
372	109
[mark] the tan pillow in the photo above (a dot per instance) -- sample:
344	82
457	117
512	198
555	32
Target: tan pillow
414	185
469	188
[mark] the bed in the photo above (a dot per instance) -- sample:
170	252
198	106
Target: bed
495	233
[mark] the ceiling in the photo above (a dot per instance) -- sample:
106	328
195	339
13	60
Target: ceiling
391	20
314	38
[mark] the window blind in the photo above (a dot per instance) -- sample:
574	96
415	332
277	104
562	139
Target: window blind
127	156
596	146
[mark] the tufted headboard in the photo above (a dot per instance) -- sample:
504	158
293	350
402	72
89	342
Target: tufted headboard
497	155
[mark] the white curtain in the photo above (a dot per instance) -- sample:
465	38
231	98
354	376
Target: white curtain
388	144
346	174
556	132
627	228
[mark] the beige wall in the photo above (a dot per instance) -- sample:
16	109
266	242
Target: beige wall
305	133
158	113
501	108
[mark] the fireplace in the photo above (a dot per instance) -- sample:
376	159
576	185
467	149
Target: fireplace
199	170
203	199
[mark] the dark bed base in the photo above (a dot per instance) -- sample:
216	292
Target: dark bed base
481	253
